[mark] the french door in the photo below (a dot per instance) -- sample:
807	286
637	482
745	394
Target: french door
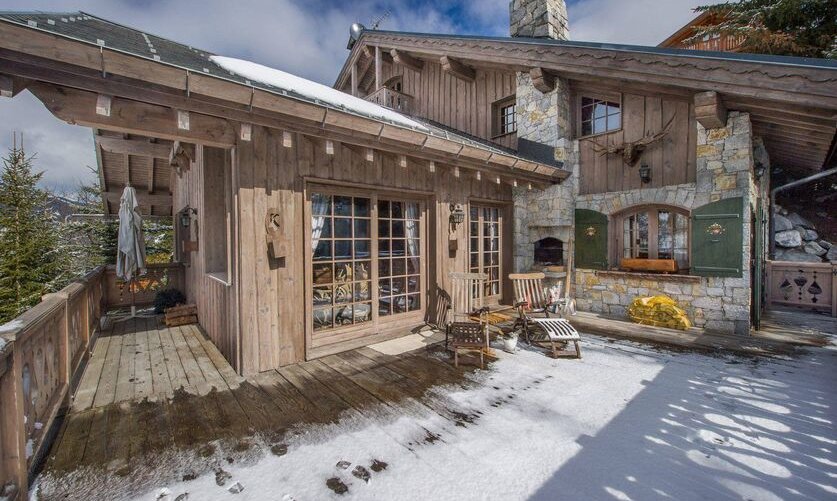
485	244
367	262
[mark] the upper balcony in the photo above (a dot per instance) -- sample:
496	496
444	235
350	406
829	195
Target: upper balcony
392	99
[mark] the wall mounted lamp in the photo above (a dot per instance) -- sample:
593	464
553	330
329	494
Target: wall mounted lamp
645	173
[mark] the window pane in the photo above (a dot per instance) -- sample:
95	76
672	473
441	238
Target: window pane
360	271
362	249
362	313
586	128
642	235
323	273
384	267
665	239
343	228
342	249
362	228
322	319
383	228
397	210
322	295
398	229
320	204
399	285
614	122
323	250
362	207
600	125
383	248
342	206
383	209
599	110
362	291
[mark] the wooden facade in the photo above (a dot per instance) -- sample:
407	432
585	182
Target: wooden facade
255	317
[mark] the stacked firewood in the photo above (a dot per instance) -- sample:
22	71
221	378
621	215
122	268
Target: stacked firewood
181	315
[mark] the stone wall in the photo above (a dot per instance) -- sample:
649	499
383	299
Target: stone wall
539	19
724	169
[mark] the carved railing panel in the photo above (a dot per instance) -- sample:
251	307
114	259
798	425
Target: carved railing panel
141	290
39	354
389	98
803	285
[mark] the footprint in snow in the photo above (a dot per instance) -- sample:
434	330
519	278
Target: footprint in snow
361	473
221	477
236	488
337	485
378	466
343	465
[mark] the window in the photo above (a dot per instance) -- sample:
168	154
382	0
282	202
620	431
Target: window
485	246
217	203
655	233
358	241
505	118
600	115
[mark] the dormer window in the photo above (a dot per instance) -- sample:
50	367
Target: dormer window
599	114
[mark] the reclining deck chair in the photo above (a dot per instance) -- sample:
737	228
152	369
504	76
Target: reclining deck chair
534	306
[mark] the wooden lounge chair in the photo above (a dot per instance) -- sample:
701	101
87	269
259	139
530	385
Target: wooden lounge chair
539	318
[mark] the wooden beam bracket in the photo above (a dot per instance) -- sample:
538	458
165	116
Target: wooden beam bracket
710	110
542	79
407	60
458	69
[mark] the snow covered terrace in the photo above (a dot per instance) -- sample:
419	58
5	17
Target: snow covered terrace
159	414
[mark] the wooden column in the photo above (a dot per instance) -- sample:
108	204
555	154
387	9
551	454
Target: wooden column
378	69
354	79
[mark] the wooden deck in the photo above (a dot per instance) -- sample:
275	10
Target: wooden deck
150	392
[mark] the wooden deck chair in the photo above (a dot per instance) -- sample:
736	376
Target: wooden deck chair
466	301
535	307
467	338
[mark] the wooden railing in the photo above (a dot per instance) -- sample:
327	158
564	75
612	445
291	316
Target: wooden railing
141	291
389	98
42	355
803	285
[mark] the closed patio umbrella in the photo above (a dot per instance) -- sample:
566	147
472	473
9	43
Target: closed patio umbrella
130	256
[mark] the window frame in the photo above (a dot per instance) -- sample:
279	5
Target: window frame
481	267
599	96
617	222
322	338
497	116
217	203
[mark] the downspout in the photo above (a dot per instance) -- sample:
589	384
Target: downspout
794	184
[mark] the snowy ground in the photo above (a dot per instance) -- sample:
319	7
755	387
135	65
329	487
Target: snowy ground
625	422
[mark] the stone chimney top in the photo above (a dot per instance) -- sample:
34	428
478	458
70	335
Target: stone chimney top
539	19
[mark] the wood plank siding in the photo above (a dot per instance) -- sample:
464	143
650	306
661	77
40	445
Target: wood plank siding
466	106
274	320
671	159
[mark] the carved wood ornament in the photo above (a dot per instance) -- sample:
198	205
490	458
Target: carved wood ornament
631	151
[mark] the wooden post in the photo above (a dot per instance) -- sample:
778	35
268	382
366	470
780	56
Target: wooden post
833	290
378	69
13	454
354	79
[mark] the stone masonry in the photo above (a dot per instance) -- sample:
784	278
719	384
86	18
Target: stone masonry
539	19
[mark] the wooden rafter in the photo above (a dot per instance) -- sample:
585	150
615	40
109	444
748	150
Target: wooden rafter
405	59
136	147
11	86
458	69
144	199
542	80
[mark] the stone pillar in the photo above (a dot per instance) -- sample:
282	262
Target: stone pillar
543	132
539	19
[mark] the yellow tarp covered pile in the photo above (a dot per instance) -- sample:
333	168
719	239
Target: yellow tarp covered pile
659	311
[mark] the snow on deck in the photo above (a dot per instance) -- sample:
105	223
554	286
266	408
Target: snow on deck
311	90
625	422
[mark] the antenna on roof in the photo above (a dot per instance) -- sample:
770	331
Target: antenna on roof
383	17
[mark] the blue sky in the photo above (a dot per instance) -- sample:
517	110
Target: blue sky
305	37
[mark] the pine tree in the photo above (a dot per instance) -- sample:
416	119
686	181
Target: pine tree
28	264
806	28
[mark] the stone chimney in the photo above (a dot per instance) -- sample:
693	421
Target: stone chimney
539	19
543	132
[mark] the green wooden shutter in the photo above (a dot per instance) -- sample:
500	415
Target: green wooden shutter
718	239
590	239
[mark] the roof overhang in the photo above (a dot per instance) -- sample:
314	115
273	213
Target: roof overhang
792	101
69	75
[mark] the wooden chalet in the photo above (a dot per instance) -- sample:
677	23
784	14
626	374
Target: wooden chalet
682	38
312	221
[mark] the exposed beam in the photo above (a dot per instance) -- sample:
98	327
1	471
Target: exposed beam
542	79
404	59
132	117
457	69
11	86
136	147
354	79
379	70
144	199
710	110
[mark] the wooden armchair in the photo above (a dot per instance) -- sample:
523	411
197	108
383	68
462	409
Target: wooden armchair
534	307
466	301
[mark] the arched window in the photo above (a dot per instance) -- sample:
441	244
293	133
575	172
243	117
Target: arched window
654	232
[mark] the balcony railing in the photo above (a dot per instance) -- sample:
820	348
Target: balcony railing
42	355
389	98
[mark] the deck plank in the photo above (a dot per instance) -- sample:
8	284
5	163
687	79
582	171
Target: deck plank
202	360
86	392
161	381
106	391
177	375
190	366
143	379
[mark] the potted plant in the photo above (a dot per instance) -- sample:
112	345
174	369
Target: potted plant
510	341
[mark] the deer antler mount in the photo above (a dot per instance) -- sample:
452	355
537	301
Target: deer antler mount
632	150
